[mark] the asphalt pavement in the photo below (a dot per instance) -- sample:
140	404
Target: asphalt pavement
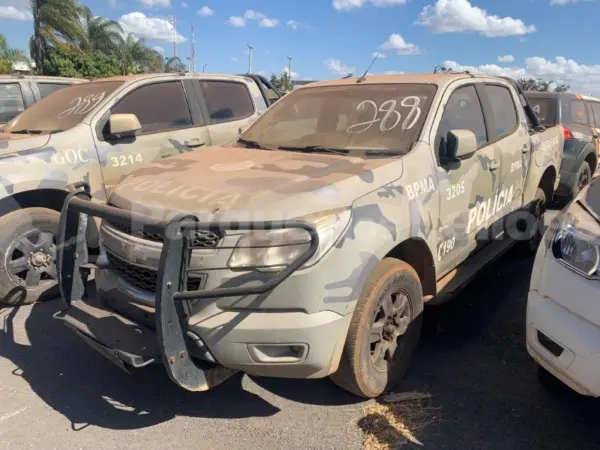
56	393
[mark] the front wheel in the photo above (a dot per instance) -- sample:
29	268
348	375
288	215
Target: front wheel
583	178
28	256
384	330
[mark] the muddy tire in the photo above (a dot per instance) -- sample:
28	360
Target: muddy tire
529	247
384	330
583	178
28	256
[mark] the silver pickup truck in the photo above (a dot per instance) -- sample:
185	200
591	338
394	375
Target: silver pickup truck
310	246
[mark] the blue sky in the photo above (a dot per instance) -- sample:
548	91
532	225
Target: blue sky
329	38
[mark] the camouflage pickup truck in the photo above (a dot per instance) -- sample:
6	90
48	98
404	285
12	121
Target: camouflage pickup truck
98	132
310	247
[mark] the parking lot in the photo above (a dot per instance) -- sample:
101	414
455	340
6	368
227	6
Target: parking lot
57	393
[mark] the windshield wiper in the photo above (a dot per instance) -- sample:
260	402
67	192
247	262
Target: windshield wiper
252	144
27	131
316	149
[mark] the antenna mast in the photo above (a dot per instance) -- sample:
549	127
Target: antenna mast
193	55
174	24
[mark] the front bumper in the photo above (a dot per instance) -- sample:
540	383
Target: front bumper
283	343
563	317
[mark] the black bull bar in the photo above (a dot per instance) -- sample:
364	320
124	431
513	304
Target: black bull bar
172	312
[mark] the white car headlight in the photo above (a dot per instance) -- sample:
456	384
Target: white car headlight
577	242
275	249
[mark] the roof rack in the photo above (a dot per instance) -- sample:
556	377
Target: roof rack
442	69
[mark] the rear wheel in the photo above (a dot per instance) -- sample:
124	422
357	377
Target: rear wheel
384	331
28	256
533	225
584	176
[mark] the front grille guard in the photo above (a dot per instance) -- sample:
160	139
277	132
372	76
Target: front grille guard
171	310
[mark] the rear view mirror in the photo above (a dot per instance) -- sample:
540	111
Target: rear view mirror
123	125
460	144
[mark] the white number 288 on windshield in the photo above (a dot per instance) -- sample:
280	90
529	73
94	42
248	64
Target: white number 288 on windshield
391	116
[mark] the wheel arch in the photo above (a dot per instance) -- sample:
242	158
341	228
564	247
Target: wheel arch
43	198
547	182
592	159
415	252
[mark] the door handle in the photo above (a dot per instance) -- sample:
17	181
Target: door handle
194	143
493	165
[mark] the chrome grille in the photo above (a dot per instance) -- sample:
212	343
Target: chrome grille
202	238
142	277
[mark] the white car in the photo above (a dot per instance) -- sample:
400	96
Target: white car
563	308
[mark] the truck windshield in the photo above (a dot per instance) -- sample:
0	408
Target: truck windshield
345	119
63	109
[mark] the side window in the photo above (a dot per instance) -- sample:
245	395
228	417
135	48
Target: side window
503	108
11	101
159	107
48	88
577	113
463	112
226	101
596	110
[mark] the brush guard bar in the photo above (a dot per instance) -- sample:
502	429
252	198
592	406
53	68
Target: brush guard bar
172	312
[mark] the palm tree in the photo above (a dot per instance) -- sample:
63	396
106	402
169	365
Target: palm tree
54	22
9	56
101	34
136	57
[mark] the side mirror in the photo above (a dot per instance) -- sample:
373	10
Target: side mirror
123	125
460	144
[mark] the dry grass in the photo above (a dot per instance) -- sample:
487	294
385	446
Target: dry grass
388	426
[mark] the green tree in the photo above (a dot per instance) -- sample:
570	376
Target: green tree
66	63
174	64
102	34
540	85
9	56
55	23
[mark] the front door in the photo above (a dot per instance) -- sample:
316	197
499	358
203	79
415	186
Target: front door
168	128
466	186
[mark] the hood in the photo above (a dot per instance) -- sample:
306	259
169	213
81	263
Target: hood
10	142
266	184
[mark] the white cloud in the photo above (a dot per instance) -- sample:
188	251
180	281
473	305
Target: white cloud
347	5
459	16
506	59
392	72
156	3
205	11
335	66
379	55
268	23
400	46
566	2
582	78
253	15
10	12
139	25
236	22
159	49
184	5
294	74
293	24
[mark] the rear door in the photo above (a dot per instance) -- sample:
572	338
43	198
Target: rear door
502	117
228	107
171	124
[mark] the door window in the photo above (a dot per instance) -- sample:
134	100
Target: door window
506	120
159	107
545	109
596	110
48	88
11	101
227	101
576	112
463	112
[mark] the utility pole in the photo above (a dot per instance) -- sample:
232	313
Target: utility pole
250	48
290	72
174	25
204	67
193	55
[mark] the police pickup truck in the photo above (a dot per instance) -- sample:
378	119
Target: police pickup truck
98	132
310	246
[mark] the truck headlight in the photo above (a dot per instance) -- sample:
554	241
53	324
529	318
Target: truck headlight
275	249
577	243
